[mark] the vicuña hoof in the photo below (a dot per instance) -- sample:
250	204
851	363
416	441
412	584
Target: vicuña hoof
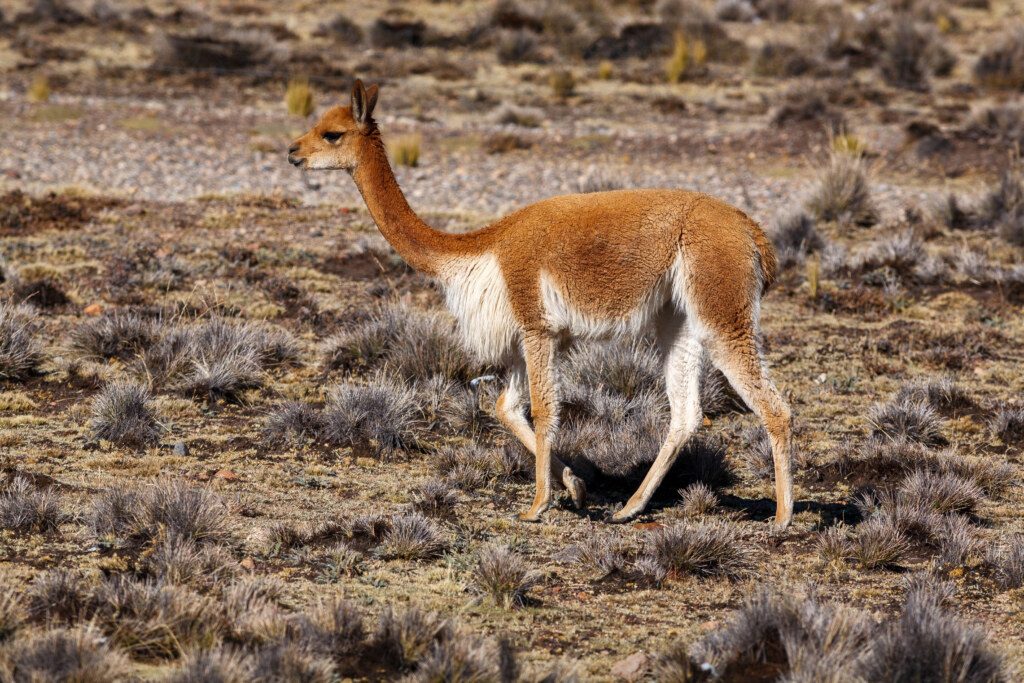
533	515
623	516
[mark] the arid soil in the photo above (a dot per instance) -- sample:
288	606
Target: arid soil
220	385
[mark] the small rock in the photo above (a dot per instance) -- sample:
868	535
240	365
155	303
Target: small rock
248	564
226	475
180	448
632	668
93	309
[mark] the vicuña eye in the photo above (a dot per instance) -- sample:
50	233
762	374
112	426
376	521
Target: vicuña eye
332	136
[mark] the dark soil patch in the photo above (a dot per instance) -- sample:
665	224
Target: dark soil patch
22	214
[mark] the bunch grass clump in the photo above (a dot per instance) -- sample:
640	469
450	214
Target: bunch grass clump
412	537
122	413
26	509
167	509
702	548
504	575
844	193
907	420
405	150
298	97
20	350
78	654
381	418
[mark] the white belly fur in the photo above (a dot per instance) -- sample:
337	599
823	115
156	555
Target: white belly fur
563	316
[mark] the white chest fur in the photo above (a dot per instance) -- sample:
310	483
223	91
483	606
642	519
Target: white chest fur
476	295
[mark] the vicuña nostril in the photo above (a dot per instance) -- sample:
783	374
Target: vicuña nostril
293	149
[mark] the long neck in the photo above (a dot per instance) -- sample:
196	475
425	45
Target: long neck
421	246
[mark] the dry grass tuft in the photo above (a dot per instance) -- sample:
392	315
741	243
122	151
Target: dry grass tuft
698	499
701	548
943	493
927	643
60	595
298	97
81	655
379	419
799	640
435	498
1008	424
26	509
504	575
153	620
121	334
405	150
412	537
605	553
20	350
1001	65
794	237
122	413
878	543
844	194
168	509
907	420
223	664
1007	562
406	637
293	423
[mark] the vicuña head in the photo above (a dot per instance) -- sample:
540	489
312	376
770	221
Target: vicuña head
339	139
682	264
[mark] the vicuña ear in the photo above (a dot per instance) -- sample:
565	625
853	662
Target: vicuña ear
363	101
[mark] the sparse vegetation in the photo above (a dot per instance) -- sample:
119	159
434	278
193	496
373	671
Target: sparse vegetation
241	440
405	150
843	194
20	350
122	413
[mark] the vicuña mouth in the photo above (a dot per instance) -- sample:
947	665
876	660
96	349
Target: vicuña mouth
294	161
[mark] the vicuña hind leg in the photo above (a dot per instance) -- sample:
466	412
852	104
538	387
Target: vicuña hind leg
738	357
540	367
509	409
683	358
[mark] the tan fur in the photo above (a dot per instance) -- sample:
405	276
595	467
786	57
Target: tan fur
600	264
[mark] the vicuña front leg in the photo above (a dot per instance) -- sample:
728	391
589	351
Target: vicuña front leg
509	409
540	367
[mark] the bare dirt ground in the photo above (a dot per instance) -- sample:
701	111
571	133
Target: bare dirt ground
153	233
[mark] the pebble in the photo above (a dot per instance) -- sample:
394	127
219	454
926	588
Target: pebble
632	668
180	448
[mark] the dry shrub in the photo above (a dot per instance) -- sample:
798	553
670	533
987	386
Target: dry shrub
412	537
403	638
26	509
844	195
81	655
911	54
504	575
906	420
381	418
122	413
1001	65
20	350
702	548
168	509
604	553
435	498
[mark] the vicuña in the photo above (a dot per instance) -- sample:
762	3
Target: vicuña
606	264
